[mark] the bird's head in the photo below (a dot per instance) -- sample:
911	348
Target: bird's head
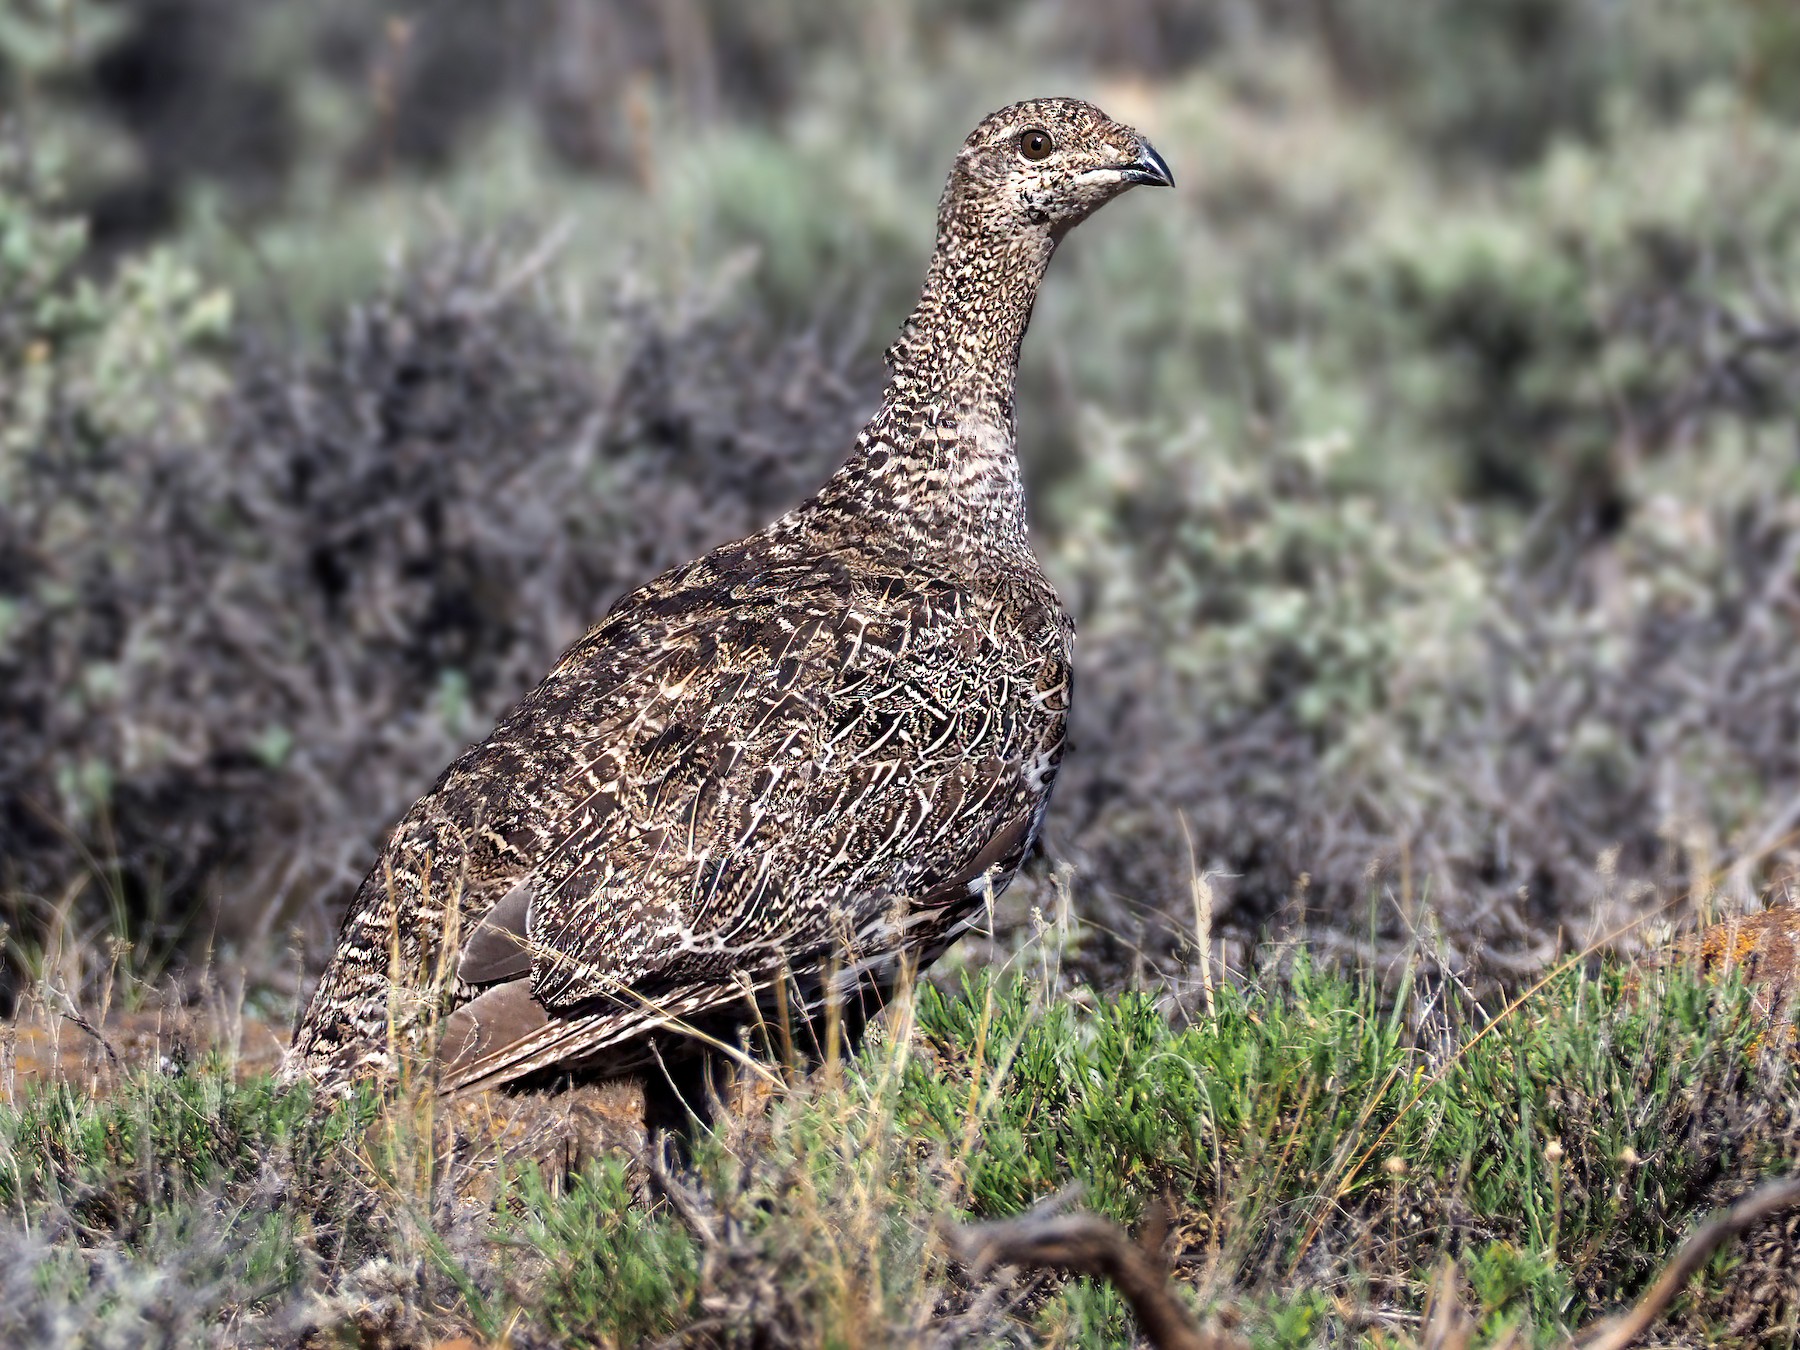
1024	178
1046	163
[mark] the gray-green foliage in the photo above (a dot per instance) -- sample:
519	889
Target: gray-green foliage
252	600
1412	701
1323	1148
88	364
1425	506
101	381
1460	547
615	1269
172	1211
1505	79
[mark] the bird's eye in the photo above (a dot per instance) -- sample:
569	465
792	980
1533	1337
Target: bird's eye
1035	143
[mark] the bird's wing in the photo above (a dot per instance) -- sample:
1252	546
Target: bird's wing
756	781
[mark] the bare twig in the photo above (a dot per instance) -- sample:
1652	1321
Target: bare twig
1048	1238
1087	1244
1203	914
71	1013
678	1196
1445	1325
549	245
1764	1203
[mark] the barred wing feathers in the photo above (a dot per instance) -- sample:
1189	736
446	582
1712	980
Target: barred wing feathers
802	764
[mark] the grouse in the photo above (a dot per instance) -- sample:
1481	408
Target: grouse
780	774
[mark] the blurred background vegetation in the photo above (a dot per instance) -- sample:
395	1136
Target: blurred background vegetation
1422	474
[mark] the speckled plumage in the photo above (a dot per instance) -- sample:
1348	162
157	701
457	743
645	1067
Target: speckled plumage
812	750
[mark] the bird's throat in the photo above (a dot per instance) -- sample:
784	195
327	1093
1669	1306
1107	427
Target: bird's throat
937	465
962	339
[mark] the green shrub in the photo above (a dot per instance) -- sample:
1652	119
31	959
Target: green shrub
1321	1148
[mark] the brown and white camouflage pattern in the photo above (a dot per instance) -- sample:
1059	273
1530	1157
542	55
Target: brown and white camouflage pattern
791	763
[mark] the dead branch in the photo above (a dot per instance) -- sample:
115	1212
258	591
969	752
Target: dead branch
1086	1244
71	1013
1764	1203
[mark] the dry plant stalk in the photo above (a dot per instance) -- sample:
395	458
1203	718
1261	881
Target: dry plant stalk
1764	1203
1086	1244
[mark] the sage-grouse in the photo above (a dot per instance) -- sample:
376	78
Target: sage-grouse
774	776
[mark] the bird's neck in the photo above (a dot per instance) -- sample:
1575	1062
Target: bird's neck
962	339
939	459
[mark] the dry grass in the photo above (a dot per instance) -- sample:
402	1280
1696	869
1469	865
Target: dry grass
1320	1153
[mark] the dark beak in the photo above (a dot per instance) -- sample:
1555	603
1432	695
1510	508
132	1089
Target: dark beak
1149	168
